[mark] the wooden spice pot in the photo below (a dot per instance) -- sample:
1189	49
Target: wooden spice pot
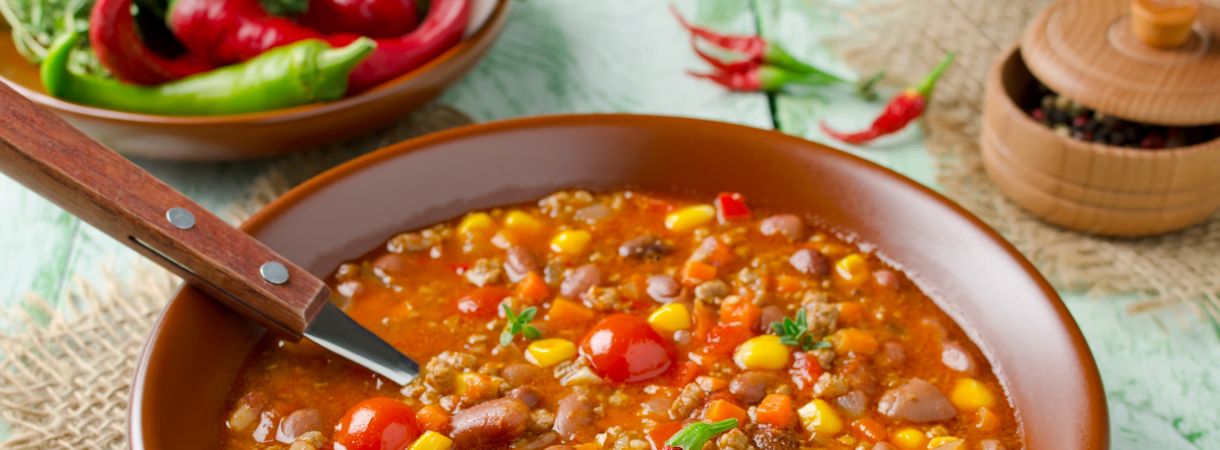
1091	187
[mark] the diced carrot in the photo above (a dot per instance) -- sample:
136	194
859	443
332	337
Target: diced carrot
661	433
721	255
593	446
533	289
740	312
869	430
684	373
721	409
433	418
568	313
695	272
850	313
854	340
787	283
775	410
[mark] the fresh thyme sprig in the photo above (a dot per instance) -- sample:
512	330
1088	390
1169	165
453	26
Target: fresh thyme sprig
518	324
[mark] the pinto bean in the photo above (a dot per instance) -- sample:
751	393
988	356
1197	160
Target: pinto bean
954	356
519	262
853	404
785	225
664	288
518	374
750	387
917	401
298	423
887	279
573	413
580	280
810	262
489	423
526	394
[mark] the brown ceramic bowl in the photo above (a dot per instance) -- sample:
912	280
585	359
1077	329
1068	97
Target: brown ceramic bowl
261	134
1015	317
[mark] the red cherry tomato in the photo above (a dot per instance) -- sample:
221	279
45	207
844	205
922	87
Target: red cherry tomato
482	302
378	423
624	349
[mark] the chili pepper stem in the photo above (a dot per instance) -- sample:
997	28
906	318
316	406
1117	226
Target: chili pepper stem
777	55
925	87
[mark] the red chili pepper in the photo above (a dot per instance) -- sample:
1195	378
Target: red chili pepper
900	111
119	47
372	18
756	51
229	31
731	206
761	78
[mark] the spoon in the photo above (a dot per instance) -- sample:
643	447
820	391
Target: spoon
50	157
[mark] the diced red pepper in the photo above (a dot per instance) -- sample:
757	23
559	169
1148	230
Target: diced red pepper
805	370
731	206
684	373
724	338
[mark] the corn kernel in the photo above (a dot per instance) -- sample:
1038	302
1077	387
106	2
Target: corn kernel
969	394
475	223
690	217
549	352
764	352
820	418
852	269
520	222
908	439
571	242
670	318
942	440
431	440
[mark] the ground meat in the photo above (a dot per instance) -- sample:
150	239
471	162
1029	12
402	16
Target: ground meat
823	319
712	291
592	213
754	279
490	423
298	423
769	315
646	247
519	262
916	401
954	356
603	298
786	225
810	262
733	439
576	373
831	385
313	440
580	280
770	438
750	387
664	288
891	354
440	372
485	271
541	420
687	401
705	249
246	412
853	404
826	357
413	242
574	412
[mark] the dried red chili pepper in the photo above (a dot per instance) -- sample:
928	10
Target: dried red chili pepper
900	111
755	50
372	18
119	47
760	78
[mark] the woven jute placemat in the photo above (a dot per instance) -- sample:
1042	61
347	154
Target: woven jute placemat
906	38
66	384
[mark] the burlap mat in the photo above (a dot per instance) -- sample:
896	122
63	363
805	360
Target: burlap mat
66	384
906	37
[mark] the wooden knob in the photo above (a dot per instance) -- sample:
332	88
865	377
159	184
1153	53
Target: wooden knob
1163	23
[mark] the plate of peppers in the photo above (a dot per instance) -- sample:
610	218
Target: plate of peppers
214	80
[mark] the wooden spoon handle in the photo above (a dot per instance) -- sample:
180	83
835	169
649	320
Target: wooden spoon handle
49	156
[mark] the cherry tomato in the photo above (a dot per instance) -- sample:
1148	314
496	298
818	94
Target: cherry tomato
625	349
379	423
482	302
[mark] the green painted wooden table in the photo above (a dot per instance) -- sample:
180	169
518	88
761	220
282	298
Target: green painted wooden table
1162	372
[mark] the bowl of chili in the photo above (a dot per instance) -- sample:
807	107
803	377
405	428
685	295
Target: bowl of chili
248	135
990	298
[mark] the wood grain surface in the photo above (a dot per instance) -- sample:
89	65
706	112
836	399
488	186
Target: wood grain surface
556	56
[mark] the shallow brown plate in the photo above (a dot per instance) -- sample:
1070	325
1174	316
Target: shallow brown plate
261	134
1013	315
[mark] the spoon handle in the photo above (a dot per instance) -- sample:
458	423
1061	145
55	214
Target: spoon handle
54	159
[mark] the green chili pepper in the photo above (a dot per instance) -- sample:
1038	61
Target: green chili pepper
296	74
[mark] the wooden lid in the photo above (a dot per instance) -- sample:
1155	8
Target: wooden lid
1119	57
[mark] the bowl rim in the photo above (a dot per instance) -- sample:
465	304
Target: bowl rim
486	30
1096	417
995	77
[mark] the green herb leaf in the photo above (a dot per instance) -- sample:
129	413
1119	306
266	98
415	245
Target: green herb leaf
795	332
693	436
518	324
